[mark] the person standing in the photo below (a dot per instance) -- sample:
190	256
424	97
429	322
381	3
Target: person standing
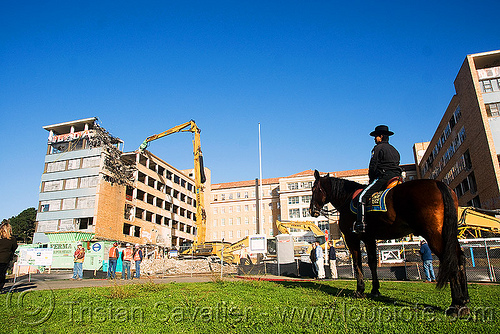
112	261
312	257
320	261
426	254
126	262
137	259
8	246
78	258
332	256
384	165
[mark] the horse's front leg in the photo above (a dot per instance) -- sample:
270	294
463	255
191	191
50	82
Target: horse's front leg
353	244
371	250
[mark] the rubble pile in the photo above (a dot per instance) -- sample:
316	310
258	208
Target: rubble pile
166	267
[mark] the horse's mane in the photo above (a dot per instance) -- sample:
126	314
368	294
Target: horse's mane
343	187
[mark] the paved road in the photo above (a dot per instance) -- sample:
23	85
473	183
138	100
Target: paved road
55	281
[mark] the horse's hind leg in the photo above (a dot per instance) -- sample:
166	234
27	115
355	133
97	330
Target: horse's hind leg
371	250
353	244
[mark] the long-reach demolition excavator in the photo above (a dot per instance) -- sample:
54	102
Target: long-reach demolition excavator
199	247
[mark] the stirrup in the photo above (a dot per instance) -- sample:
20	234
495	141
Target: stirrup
358	227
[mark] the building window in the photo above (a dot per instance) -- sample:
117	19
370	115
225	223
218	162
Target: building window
215	222
293	186
223	196
246	194
305	212
293	200
230	209
222	210
306	185
306	199
222	222
294	213
238	234
238	195
493	109
246	208
238	221
215	211
84	223
230	221
486	86
230	195
238	208
475	202
222	235
214	235
246	220
230	234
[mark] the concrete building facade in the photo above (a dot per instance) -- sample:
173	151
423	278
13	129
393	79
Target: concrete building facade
463	150
81	191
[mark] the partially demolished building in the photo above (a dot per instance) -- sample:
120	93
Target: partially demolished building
90	186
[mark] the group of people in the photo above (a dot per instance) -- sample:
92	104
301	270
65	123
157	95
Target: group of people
318	261
127	256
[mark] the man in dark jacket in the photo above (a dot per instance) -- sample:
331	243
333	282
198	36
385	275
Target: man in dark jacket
426	254
384	165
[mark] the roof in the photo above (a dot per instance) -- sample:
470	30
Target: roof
65	127
239	184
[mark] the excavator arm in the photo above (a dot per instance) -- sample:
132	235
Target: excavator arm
199	172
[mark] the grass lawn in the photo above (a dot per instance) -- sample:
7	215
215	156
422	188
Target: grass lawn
248	307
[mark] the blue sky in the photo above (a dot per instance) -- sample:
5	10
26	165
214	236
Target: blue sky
317	75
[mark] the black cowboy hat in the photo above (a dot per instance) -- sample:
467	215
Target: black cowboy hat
381	130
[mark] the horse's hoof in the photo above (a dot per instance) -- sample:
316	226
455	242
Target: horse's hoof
458	311
358	294
375	294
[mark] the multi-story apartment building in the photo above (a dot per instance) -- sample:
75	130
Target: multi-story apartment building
233	210
89	185
463	152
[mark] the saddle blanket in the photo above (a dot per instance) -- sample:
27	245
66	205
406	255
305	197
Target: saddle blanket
375	203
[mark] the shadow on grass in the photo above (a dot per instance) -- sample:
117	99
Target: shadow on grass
350	293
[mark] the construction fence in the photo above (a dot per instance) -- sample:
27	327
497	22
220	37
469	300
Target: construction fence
396	261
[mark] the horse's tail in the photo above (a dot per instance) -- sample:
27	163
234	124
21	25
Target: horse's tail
449	261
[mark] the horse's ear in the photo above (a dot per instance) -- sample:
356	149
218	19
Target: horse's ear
316	174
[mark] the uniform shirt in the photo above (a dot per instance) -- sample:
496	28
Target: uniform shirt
384	158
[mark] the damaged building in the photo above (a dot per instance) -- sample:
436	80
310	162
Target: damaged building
89	185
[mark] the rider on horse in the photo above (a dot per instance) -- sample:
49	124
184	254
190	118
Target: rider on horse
384	165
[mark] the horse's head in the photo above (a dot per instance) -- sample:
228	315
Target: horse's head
319	196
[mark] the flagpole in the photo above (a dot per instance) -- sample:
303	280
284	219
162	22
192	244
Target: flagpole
260	180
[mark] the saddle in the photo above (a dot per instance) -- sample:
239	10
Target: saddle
377	201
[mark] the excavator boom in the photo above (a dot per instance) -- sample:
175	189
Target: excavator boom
199	173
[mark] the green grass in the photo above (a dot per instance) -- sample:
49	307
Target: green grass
248	307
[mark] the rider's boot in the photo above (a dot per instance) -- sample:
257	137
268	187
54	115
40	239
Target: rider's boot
359	225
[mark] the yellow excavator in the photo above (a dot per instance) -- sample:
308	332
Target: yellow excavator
235	252
473	221
199	177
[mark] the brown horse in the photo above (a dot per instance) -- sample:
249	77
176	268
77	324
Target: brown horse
423	207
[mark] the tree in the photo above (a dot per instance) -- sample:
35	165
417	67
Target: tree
23	225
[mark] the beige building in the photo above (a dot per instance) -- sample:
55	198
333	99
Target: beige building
233	205
463	152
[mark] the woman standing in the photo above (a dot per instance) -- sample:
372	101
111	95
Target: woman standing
8	245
